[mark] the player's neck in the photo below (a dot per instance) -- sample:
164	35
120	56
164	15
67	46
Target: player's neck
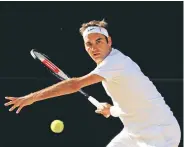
106	55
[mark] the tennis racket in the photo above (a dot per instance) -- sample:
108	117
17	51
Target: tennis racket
45	60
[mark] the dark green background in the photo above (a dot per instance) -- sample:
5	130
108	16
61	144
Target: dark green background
151	33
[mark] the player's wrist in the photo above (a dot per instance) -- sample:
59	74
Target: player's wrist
32	97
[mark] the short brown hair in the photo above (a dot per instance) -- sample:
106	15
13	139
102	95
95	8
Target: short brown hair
101	23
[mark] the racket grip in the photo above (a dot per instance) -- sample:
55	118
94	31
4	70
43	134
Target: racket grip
94	101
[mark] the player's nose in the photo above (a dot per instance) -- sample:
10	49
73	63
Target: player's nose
94	49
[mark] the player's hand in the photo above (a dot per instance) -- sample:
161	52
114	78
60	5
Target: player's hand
19	102
104	109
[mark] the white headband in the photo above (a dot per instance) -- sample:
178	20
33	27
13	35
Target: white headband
95	29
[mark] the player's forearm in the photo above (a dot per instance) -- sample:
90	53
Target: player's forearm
61	88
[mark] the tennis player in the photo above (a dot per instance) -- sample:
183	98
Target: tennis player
148	120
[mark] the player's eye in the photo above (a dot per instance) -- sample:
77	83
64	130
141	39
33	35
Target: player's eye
88	44
98	41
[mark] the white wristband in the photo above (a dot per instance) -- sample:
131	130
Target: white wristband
115	111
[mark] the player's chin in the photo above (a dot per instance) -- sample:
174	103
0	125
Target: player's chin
97	60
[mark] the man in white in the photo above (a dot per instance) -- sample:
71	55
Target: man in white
147	119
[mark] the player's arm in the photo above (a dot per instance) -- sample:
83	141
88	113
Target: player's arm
62	88
67	87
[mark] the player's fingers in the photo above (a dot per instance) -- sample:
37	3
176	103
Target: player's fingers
101	112
13	107
98	111
106	105
100	107
10	98
19	109
9	103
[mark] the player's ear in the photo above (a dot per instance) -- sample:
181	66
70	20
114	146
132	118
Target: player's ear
109	41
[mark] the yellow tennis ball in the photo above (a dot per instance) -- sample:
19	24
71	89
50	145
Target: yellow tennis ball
57	126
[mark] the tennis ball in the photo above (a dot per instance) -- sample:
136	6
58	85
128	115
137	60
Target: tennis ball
57	126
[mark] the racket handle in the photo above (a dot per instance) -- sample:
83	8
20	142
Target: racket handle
94	101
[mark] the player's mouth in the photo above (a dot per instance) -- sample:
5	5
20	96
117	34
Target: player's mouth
96	55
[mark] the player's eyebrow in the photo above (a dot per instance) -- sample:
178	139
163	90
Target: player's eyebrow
99	39
88	42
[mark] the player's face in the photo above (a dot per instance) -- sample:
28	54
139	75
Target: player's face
97	47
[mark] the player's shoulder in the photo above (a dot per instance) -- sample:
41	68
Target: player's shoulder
114	57
116	54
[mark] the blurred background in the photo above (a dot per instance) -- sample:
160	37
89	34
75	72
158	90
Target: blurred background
151	33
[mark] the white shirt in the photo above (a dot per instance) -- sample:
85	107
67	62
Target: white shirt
141	104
